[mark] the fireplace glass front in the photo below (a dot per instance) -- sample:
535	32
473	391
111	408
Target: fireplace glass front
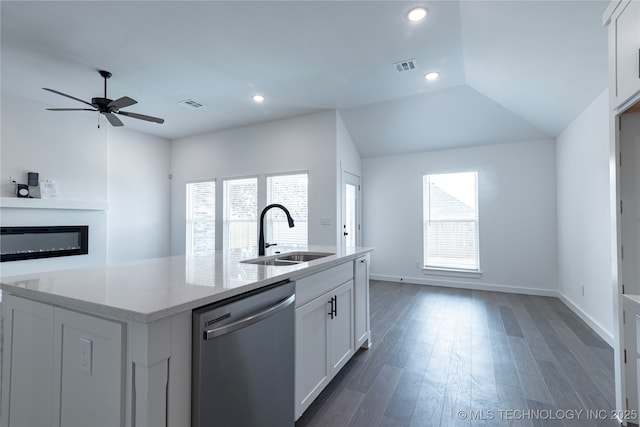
21	243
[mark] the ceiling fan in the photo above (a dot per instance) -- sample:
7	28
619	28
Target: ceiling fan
106	106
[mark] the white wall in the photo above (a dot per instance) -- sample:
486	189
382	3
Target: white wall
584	240
139	196
71	150
66	147
517	208
305	143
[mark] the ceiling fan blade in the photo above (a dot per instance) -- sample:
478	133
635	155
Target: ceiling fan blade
125	101
68	96
70	109
113	119
141	117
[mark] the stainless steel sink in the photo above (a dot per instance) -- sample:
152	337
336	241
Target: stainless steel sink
278	262
289	258
303	256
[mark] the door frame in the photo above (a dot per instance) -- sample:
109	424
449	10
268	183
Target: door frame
353	179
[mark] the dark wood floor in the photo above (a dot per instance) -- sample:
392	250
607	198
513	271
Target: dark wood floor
456	357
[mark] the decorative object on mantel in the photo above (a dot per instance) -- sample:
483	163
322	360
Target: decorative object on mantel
48	189
106	106
31	189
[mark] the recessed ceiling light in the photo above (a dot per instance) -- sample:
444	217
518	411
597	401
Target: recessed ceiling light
432	75
258	98
417	14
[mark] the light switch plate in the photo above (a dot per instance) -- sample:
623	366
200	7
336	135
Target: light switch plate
86	355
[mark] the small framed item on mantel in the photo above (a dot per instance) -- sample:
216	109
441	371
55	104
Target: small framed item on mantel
48	189
22	190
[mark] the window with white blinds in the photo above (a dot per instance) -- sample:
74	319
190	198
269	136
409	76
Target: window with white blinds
450	218
201	217
240	207
290	191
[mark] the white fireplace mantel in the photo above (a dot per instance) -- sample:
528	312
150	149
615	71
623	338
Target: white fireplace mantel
24	203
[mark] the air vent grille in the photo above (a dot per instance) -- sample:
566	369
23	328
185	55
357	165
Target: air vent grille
190	103
406	65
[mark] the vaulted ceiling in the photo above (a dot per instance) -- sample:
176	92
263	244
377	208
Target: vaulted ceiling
509	70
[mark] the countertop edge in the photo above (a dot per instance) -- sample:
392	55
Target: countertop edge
140	317
632	301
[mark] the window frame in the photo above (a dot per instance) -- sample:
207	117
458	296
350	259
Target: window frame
188	219
268	232
223	199
444	270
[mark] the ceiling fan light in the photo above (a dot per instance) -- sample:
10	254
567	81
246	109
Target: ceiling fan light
417	14
431	76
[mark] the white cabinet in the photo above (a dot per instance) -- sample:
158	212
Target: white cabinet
324	331
27	365
361	302
89	357
61	368
341	327
624	51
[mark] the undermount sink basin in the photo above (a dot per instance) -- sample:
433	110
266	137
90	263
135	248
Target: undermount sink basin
289	258
303	256
278	262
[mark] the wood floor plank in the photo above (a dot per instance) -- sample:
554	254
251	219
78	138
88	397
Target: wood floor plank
403	400
428	409
531	380
370	411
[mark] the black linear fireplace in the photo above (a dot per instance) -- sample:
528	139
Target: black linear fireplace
20	243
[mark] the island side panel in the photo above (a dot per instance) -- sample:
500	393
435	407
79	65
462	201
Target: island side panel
160	378
27	366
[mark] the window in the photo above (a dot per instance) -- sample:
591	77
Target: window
450	219
290	191
240	207
201	217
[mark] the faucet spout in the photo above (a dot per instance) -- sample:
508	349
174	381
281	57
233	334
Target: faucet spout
261	244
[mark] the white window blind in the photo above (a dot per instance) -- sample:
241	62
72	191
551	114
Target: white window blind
291	191
201	217
240	208
450	217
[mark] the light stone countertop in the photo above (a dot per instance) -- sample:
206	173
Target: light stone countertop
632	301
149	290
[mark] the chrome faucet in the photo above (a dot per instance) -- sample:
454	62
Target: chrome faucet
261	245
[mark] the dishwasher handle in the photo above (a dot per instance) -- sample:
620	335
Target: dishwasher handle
222	330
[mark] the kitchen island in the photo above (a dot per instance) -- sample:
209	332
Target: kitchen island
112	345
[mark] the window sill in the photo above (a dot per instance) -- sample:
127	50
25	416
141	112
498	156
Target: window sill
476	274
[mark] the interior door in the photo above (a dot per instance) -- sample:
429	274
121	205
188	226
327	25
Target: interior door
350	210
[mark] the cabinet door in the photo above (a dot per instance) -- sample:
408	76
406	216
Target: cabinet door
625	37
341	342
89	370
361	303
27	379
312	364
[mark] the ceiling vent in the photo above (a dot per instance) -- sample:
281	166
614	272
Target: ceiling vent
190	103
406	65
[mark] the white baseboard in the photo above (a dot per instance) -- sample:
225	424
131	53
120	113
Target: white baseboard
467	285
597	328
602	332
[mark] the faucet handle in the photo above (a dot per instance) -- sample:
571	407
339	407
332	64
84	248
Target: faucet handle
266	245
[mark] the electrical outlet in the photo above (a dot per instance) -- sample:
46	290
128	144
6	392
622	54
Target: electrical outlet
85	355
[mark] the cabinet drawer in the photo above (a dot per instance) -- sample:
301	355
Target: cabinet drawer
317	284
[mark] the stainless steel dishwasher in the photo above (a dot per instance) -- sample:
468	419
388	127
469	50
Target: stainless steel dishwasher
243	360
